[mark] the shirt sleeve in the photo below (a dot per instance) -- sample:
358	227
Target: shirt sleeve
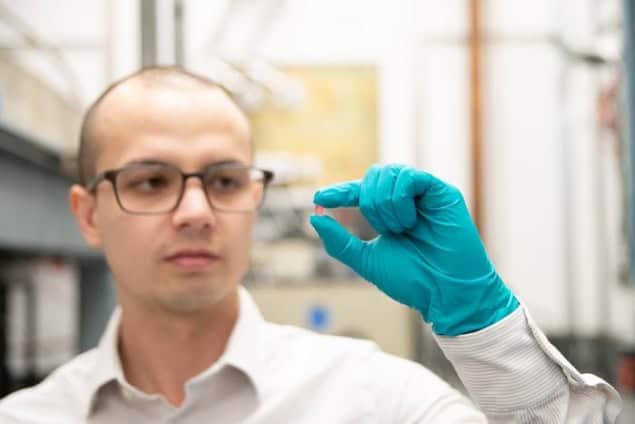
516	375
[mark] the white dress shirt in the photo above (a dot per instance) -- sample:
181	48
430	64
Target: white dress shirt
281	374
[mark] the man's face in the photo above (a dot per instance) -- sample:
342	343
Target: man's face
148	254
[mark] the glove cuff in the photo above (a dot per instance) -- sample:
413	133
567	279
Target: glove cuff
473	305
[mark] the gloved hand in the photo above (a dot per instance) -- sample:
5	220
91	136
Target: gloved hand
428	254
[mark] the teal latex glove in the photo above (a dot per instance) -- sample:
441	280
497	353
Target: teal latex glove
428	254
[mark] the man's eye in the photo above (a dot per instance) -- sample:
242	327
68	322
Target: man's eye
226	183
150	183
155	182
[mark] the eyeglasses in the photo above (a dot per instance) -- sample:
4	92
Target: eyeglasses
148	189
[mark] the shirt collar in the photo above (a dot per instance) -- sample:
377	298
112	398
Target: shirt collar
243	352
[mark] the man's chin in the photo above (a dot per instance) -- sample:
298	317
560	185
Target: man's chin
195	301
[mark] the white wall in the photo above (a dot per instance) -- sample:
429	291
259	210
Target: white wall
524	180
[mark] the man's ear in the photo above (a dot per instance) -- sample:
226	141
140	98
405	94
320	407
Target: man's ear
82	204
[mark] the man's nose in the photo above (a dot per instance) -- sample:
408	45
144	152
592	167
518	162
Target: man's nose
194	210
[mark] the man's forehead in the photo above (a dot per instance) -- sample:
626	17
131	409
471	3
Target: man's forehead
138	89
165	79
136	115
144	101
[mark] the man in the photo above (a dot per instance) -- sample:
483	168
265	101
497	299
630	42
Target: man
169	195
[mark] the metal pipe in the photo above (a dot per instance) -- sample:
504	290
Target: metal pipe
149	48
179	33
475	109
629	79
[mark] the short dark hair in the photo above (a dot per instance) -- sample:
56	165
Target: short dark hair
152	75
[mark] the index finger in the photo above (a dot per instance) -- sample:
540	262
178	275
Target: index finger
338	195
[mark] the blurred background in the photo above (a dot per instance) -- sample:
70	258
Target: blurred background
527	107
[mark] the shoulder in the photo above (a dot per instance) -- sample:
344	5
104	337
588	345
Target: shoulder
60	395
300	358
343	366
291	342
298	346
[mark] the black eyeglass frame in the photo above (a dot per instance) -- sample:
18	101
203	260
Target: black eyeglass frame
111	175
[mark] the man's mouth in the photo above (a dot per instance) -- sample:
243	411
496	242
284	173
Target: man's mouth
192	258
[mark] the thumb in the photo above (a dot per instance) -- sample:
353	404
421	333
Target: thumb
339	243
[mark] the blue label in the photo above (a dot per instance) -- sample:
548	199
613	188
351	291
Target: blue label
318	318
